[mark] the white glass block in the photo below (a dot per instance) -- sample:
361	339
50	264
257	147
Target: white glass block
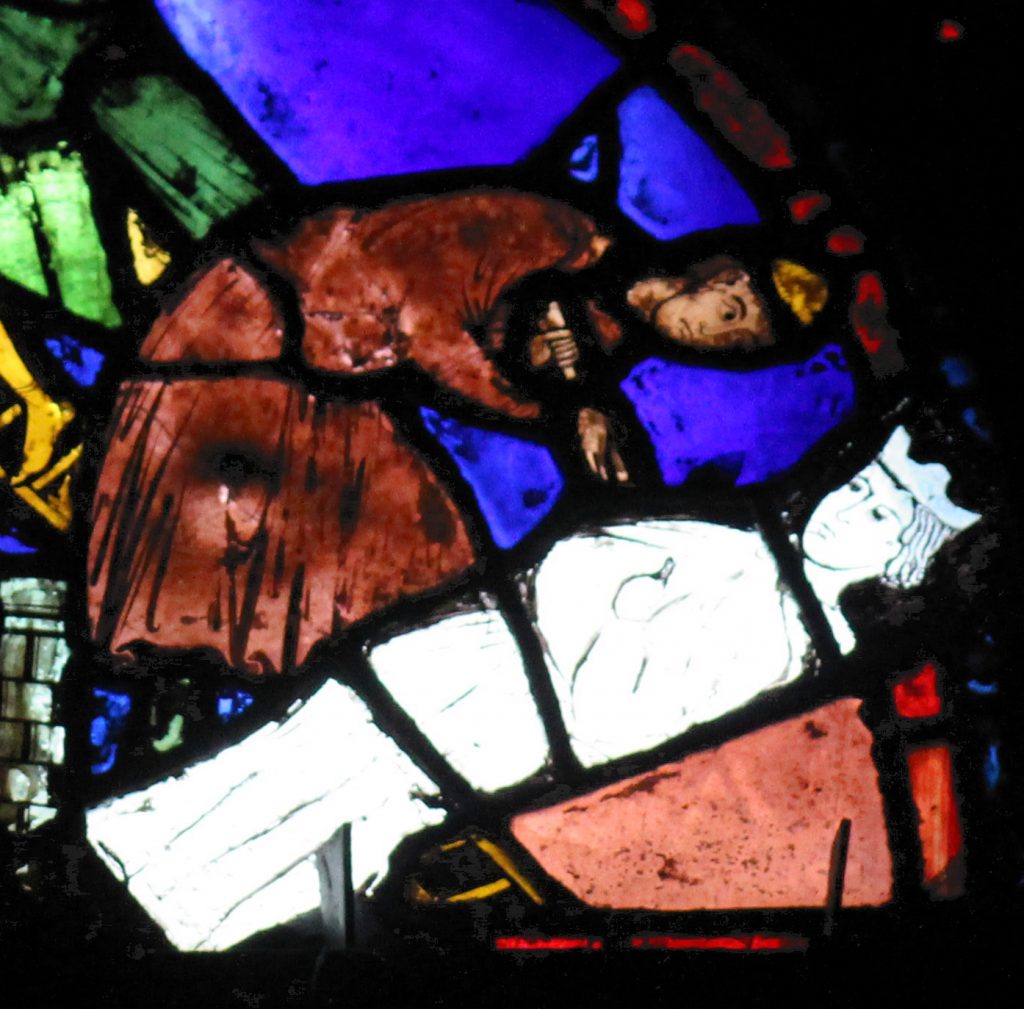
462	681
200	848
656	626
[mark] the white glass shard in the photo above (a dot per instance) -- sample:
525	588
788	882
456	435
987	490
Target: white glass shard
12	654
47	744
887	522
51	656
36	602
462	681
208	854
36	816
27	783
33	701
653	627
11	736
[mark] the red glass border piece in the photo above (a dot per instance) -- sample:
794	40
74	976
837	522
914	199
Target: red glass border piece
917	694
806	206
756	942
528	943
845	241
742	120
950	30
931	784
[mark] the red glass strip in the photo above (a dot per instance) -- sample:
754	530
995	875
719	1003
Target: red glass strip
917	695
524	942
806	206
845	241
931	784
868	317
756	941
744	121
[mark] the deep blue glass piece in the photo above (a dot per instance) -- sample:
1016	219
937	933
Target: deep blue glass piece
584	162
232	703
11	544
985	689
670	181
749	424
972	420
354	89
992	768
958	372
81	363
516	483
105	729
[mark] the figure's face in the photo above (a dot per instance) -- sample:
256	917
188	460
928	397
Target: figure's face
723	312
858	526
715	315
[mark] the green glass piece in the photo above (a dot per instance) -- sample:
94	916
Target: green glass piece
36	53
19	254
77	256
186	159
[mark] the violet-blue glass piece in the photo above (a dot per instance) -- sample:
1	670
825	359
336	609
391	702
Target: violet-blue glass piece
81	363
670	181
516	482
232	703
992	768
11	544
584	162
382	87
972	420
749	424
106	728
985	689
958	372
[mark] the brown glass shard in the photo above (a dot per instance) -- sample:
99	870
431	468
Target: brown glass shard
244	515
747	825
226	316
421	281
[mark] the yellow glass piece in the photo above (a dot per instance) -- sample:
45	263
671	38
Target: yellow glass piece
418	893
42	482
452	845
503	861
805	292
480	892
149	258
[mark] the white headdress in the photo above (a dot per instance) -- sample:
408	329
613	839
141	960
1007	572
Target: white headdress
927	482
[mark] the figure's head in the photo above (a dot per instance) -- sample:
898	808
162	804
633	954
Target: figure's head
713	306
887	522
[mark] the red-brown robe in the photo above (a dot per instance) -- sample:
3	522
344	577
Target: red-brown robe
242	513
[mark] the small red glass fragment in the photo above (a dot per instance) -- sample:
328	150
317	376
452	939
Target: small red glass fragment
805	206
534	943
950	31
845	241
931	784
743	121
755	941
869	319
749	824
632	17
917	695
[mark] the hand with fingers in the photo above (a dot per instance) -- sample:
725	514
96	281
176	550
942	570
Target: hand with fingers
555	341
598	445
